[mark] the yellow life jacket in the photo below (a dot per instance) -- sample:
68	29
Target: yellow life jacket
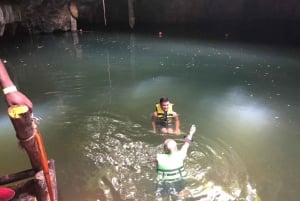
163	118
169	168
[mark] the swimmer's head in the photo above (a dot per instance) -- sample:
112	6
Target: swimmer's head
170	146
164	103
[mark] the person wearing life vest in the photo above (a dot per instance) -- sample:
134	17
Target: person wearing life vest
170	167
165	119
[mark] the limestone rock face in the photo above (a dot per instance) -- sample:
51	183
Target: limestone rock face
50	15
8	14
46	17
36	16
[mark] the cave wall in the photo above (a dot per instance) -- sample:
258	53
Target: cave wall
173	11
50	15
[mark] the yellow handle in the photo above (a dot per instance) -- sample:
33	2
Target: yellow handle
16	110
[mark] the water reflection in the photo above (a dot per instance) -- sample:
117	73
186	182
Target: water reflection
240	110
95	93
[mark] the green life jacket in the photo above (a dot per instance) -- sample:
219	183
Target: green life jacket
169	168
164	118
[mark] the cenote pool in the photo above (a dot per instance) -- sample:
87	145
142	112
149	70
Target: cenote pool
95	93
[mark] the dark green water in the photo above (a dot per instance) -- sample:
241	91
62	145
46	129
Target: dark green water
95	93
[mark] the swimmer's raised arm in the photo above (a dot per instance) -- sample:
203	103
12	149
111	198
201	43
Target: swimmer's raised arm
188	140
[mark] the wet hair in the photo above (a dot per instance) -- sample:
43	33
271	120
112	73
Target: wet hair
170	145
163	99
